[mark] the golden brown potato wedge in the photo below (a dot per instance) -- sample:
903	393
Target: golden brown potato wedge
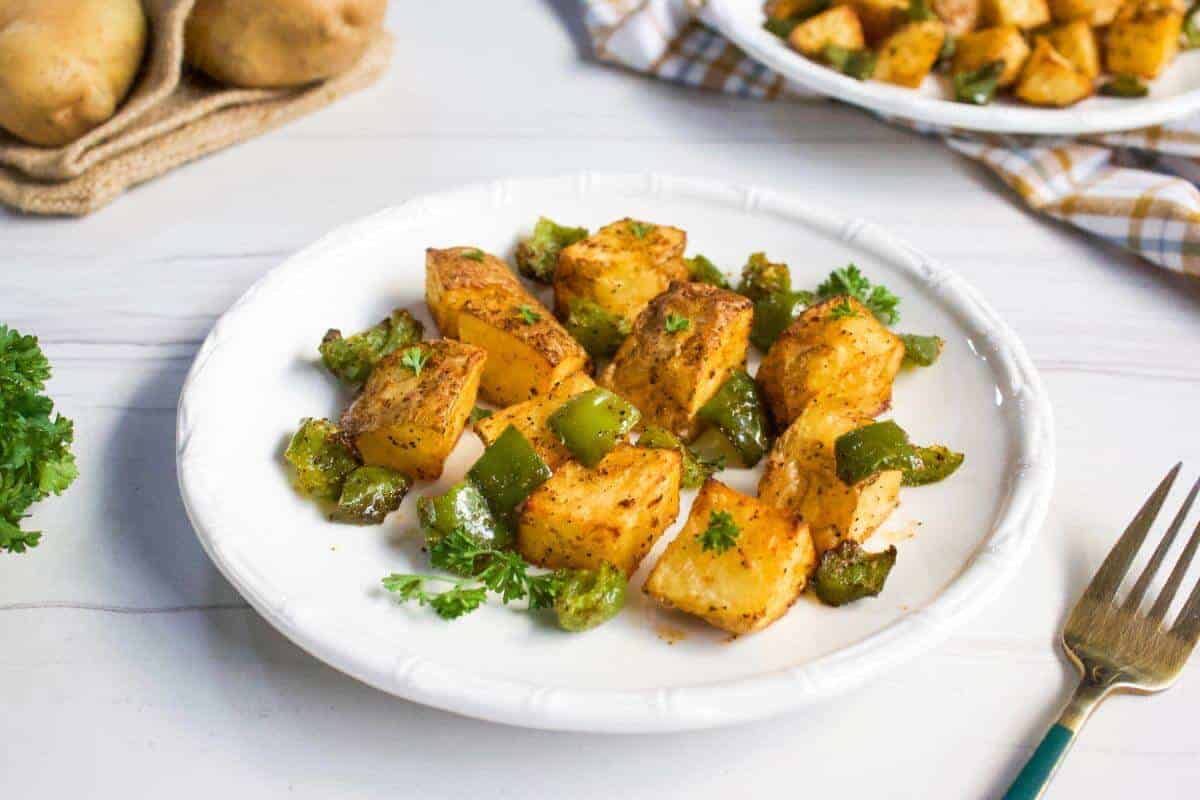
620	267
838	26
1076	41
879	18
907	56
836	353
801	477
409	420
583	517
961	16
530	419
982	47
1024	14
1142	43
750	585
458	274
682	348
1049	79
1097	13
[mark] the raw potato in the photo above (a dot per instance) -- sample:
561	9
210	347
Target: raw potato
1024	14
620	270
879	18
583	517
277	43
907	56
838	26
1076	41
1095	12
408	421
667	375
801	477
1005	44
458	274
530	419
1143	43
66	65
750	585
961	16
1049	79
845	363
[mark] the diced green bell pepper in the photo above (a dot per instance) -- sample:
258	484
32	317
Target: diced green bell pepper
321	459
589	597
507	472
848	573
537	256
921	351
701	270
761	277
599	332
590	424
715	450
462	507
738	412
695	469
774	313
352	359
880	446
932	464
370	494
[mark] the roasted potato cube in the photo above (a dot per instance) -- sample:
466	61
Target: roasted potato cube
961	16
783	9
530	419
842	360
1076	41
1097	13
838	26
982	47
801	477
1143	43
1049	79
879	18
1024	14
621	267
410	419
907	56
528	350
682	348
582	517
458	274
749	585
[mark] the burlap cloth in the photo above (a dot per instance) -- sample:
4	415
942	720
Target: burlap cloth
171	117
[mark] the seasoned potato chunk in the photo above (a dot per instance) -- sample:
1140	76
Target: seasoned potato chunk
879	18
528	350
410	419
530	419
782	9
801	477
1024	14
1143	43
961	16
621	267
749	585
682	348
583	517
1076	41
1097	13
844	360
907	56
458	274
838	26
982	47
1049	79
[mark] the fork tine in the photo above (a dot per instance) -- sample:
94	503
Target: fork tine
1187	627
1159	611
1108	578
1143	582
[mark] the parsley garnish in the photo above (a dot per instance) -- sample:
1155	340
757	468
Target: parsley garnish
676	323
414	358
843	310
489	569
849	281
529	315
721	532
474	255
640	229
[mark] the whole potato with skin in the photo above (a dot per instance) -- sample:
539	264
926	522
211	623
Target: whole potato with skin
66	65
279	43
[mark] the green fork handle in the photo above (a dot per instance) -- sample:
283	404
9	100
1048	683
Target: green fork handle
1035	776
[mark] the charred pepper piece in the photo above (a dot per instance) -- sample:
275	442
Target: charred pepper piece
537	256
588	597
761	278
598	331
352	358
369	494
701	270
774	313
507	472
590	424
921	351
737	412
321	458
848	573
881	446
696	470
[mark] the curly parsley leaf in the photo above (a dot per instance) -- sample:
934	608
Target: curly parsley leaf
851	282
676	323
721	533
528	315
415	359
473	255
843	310
640	229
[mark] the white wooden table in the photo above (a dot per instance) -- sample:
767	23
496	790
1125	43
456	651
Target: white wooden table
128	667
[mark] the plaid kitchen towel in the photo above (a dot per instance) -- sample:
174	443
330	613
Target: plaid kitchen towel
1135	189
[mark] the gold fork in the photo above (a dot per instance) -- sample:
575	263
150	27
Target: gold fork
1114	644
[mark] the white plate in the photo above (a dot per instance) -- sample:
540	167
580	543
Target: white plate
1174	94
318	582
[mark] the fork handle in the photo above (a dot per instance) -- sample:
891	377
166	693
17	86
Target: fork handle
1035	776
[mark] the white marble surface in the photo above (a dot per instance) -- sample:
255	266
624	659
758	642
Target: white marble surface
128	667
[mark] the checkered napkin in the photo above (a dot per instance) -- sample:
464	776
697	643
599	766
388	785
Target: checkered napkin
1135	189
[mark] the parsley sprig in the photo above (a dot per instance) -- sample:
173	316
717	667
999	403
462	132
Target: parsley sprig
676	322
528	315
721	534
474	255
640	229
851	282
843	310
415	359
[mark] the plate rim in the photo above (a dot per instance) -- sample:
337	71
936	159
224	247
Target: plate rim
908	104
420	679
